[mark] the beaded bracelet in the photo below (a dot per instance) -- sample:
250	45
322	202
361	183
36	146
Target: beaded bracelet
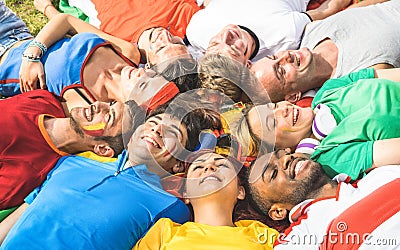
39	45
31	58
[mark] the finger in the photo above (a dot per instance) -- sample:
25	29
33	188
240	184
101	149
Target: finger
42	82
21	86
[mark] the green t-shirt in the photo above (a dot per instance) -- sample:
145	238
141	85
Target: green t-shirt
365	110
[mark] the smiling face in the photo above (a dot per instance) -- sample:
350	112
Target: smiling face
159	141
211	174
284	178
292	123
233	42
140	84
161	45
285	72
98	119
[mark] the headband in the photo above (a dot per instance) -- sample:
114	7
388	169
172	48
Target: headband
255	38
165	94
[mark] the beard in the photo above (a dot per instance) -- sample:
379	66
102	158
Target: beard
307	187
75	126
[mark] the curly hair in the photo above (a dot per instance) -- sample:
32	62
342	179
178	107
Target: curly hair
231	78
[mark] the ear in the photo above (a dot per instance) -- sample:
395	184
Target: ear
103	150
293	97
248	63
178	168
277	212
241	193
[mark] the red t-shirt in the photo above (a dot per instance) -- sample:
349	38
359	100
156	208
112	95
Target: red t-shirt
128	19
26	151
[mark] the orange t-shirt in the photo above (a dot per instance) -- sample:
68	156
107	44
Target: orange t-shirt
128	19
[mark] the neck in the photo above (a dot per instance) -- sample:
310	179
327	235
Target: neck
326	54
151	165
220	216
327	190
63	136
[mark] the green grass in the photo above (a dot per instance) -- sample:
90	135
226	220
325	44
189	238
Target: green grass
25	9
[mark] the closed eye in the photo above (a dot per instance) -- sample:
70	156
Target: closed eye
274	174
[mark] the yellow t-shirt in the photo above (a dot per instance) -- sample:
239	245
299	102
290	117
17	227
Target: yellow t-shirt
248	234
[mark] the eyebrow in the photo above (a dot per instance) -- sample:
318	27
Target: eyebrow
267	121
215	159
177	128
114	117
172	125
276	71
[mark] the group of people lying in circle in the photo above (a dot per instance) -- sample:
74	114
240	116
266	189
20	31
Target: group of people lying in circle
214	124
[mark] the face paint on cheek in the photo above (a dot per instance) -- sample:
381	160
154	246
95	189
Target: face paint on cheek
288	130
96	129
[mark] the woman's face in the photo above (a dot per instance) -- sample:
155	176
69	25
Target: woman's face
212	173
291	123
141	85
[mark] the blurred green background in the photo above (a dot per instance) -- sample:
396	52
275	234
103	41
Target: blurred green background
27	12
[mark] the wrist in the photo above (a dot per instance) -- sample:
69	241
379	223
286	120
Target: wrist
45	8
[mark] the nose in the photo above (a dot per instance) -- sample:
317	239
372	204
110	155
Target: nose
210	167
285	159
282	109
99	107
165	35
283	57
228	37
157	128
139	72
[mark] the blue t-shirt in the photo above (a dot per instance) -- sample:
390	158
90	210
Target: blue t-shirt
85	204
63	64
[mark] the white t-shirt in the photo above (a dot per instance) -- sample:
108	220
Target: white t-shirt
312	219
279	24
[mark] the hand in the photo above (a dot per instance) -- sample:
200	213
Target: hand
31	74
41	5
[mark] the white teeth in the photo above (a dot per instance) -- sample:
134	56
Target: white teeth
297	60
88	114
155	144
295	116
210	178
298	167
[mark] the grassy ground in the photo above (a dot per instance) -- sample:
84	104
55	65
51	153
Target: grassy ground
27	12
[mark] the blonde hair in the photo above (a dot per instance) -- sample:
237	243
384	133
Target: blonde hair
226	75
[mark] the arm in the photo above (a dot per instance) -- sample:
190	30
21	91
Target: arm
366	2
385	152
390	74
63	24
57	28
9	221
328	8
46	7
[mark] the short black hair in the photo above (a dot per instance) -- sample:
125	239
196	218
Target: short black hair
181	71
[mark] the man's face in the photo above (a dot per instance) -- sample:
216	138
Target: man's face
98	119
161	45
233	42
142	85
284	178
285	72
291	123
160	140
